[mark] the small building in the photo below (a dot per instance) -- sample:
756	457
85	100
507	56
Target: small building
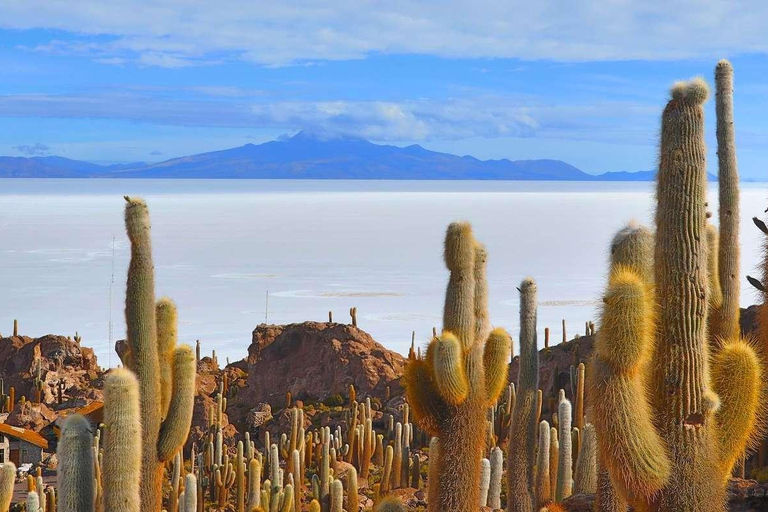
21	446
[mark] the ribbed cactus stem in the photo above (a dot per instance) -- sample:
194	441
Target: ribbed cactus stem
543	478
485	481
522	444
724	324
122	442
682	287
76	467
7	481
565	455
585	476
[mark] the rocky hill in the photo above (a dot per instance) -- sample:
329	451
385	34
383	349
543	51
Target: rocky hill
314	360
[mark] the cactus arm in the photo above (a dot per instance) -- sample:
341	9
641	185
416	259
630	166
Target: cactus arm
175	428
165	315
459	309
122	444
482	323
736	378
635	455
496	357
449	374
428	408
713	271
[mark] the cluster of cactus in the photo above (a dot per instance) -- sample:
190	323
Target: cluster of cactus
679	390
677	406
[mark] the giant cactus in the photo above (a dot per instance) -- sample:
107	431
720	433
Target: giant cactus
661	436
149	359
522	443
463	373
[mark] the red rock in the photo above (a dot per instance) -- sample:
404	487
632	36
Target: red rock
315	360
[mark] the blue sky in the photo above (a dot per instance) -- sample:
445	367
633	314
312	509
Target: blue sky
130	80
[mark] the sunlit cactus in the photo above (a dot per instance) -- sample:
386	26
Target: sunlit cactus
462	375
162	436
662	438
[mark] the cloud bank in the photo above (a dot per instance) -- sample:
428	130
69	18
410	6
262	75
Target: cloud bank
179	33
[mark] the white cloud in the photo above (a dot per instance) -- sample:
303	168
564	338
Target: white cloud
183	32
486	116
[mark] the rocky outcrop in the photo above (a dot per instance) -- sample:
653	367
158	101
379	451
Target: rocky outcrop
63	362
315	360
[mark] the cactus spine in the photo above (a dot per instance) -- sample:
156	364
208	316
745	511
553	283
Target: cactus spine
452	407
668	449
76	466
148	359
122	443
522	445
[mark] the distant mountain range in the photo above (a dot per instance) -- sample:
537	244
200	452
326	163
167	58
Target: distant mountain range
311	156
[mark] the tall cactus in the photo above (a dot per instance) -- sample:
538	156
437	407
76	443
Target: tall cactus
522	444
724	320
463	374
149	360
75	472
667	448
122	443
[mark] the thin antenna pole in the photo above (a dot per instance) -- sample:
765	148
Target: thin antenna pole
266	309
111	284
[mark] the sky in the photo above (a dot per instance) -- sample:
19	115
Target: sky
147	80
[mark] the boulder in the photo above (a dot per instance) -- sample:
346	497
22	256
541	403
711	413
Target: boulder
315	360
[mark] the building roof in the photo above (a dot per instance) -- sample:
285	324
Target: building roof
29	436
